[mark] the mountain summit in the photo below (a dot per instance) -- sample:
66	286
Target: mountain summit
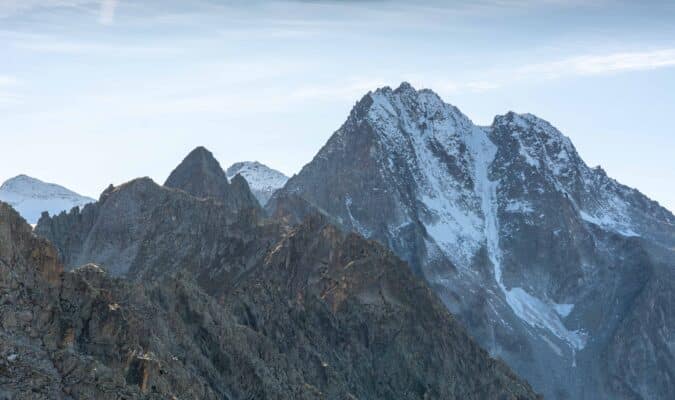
263	180
201	175
31	197
550	264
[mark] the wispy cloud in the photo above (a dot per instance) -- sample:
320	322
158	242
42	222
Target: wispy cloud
107	16
602	64
6	96
566	68
9	8
7	81
54	44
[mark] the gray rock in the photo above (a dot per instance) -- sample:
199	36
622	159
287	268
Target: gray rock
547	262
200	175
218	303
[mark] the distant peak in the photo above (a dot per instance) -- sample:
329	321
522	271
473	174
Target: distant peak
247	168
405	87
522	120
200	152
200	159
23	178
199	174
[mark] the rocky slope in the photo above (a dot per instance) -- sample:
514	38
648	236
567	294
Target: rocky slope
30	197
217	302
262	180
549	263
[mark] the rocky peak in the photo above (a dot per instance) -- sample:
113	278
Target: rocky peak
536	131
200	175
262	180
521	240
418	104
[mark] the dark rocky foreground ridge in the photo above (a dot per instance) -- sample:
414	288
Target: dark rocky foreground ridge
210	301
551	265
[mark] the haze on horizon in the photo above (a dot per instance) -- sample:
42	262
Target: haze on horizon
95	92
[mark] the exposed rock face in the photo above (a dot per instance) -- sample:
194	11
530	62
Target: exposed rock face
200	175
113	231
548	262
30	197
121	231
222	305
263	180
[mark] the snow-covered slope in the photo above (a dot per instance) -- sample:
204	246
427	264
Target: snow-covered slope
30	197
262	180
538	254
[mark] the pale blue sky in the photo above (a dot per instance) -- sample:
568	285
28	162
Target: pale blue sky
95	92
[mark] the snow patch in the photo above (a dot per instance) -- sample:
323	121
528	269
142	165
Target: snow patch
538	313
533	311
609	222
262	180
519	206
563	309
360	228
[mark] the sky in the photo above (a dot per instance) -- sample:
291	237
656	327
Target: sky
96	92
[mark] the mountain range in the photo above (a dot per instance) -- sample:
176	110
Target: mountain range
355	278
188	291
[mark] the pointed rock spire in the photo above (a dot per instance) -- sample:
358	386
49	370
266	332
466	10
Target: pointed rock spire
201	175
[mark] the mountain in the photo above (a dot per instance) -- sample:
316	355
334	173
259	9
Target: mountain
30	197
207	301
554	267
200	175
263	180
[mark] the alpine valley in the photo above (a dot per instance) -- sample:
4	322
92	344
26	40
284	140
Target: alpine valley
417	256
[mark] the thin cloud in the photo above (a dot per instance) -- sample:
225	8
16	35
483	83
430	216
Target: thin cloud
576	66
8	81
602	64
108	8
9	8
50	44
7	98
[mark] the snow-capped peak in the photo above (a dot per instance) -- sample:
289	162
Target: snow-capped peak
263	180
31	196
